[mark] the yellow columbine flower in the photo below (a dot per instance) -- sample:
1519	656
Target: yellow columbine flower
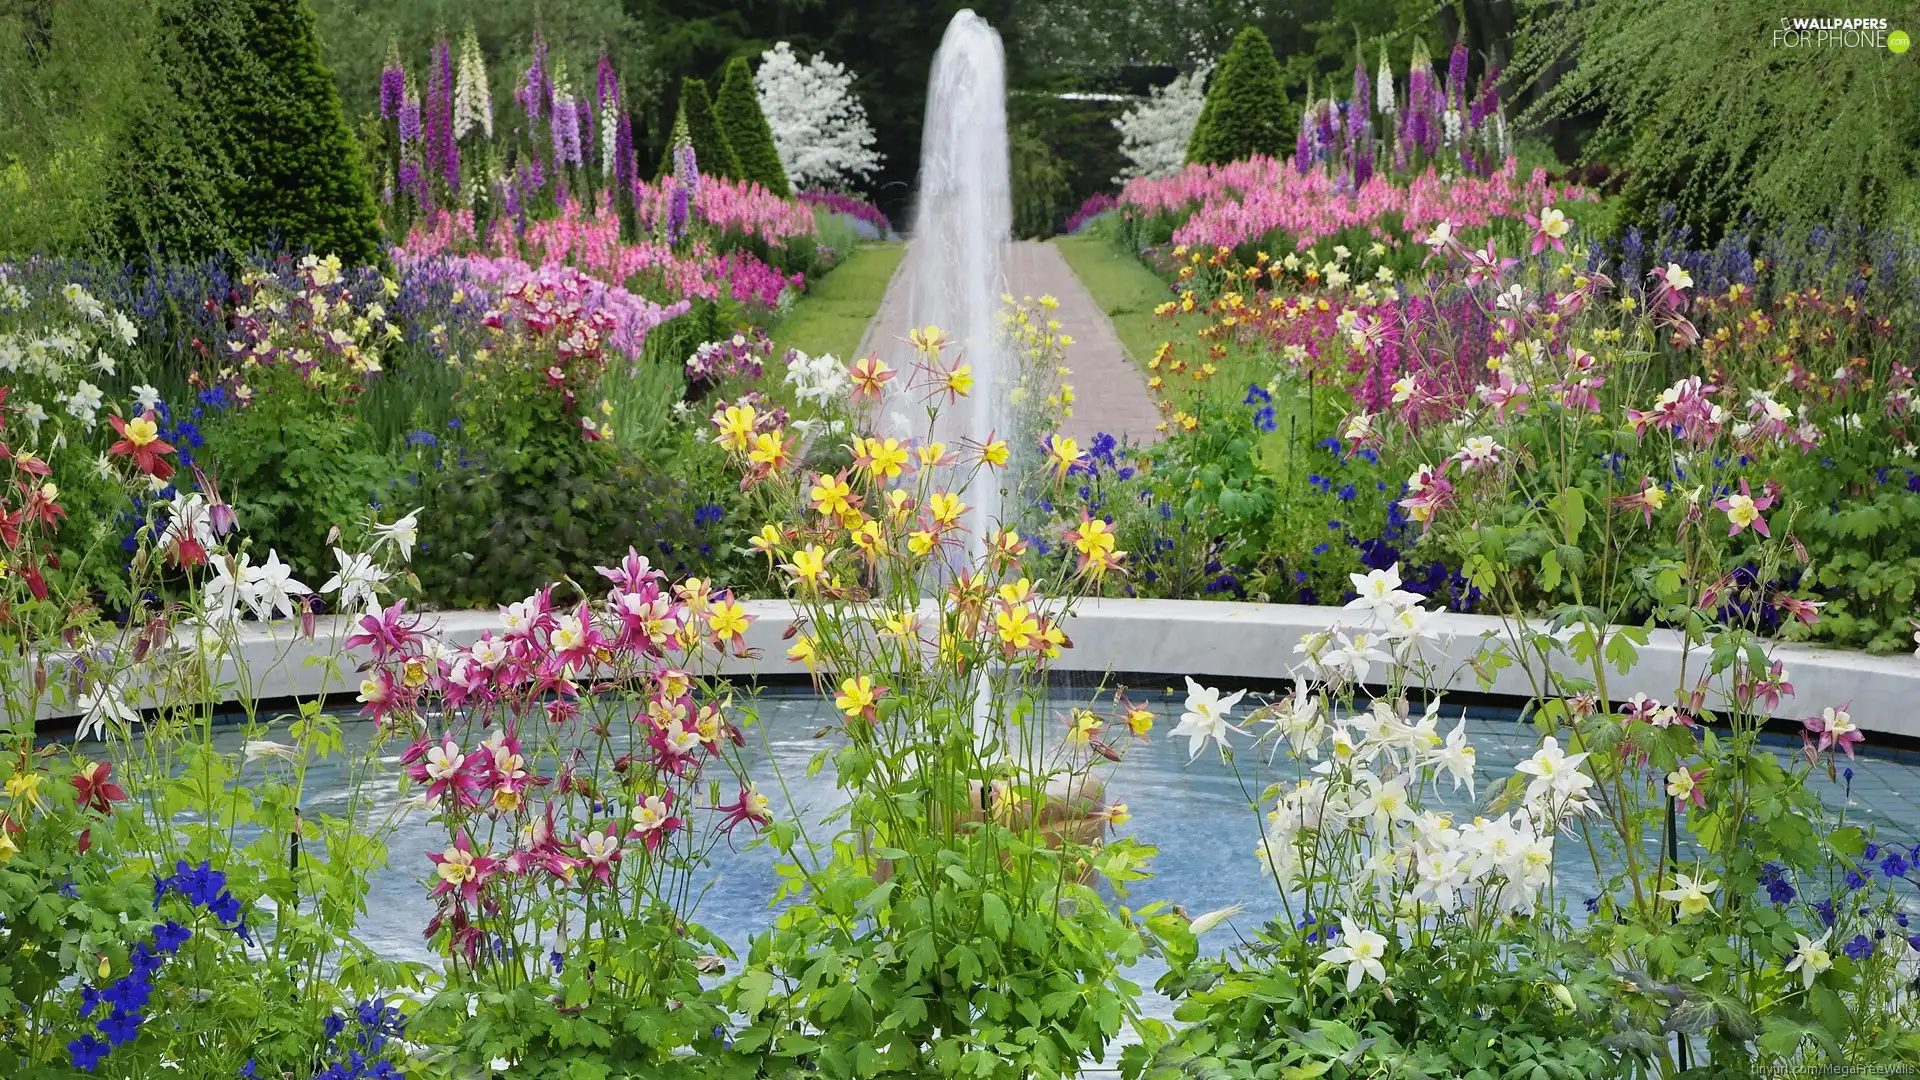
1017	626
767	541
769	451
1139	721
928	340
1064	453
1052	638
959	381
1016	592
728	620
932	453
24	787
946	508
996	454
1082	726
808	563
7	847
1094	535
736	424
920	542
857	696
804	651
1117	815
867	538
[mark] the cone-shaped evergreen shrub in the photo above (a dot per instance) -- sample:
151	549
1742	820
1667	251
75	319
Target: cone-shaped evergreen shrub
745	126
1245	110
710	144
248	146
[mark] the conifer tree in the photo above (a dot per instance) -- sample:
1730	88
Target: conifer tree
738	110
1245	111
710	144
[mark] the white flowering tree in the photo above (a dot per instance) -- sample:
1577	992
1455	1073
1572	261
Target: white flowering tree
1154	133
819	127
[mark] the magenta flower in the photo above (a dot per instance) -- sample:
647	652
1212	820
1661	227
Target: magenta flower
750	806
391	632
462	873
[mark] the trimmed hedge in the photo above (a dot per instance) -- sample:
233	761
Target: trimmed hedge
710	146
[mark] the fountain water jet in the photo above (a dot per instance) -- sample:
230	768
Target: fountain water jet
962	221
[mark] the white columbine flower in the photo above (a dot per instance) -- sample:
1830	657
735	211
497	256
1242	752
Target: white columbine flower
272	587
402	534
99	705
1691	895
1206	717
145	398
1554	772
1810	958
357	580
1380	592
1361	949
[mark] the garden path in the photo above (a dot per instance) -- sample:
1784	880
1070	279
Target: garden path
1110	391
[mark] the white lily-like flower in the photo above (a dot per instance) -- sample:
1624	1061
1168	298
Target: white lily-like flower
1457	758
1354	656
1692	896
1380	592
1206	717
402	534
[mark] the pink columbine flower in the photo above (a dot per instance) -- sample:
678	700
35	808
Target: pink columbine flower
750	806
1685	788
462	872
389	631
1835	727
653	819
1743	509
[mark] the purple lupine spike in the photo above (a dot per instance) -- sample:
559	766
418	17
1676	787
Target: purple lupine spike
1303	143
1487	102
686	168
1457	76
442	152
1326	122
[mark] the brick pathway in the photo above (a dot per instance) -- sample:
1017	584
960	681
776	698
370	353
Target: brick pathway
1110	392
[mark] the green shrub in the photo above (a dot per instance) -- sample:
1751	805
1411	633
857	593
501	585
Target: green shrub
745	127
709	142
1245	110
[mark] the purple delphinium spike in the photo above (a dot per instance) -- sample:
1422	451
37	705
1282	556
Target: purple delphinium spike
582	132
1360	125
1457	76
535	91
623	151
410	118
1303	143
686	168
677	204
393	87
442	152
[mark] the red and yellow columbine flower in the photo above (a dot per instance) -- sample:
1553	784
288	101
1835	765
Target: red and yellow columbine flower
1082	726
927	340
804	651
921	542
934	453
868	539
770	453
899	505
1007	547
858	696
140	440
870	374
1052	639
958	383
995	454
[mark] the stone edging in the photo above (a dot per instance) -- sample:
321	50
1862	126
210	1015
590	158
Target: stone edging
1209	640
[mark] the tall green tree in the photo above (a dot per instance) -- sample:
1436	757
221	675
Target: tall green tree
710	145
738	111
299	178
1246	108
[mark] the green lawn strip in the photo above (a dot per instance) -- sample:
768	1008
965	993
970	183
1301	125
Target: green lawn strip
837	308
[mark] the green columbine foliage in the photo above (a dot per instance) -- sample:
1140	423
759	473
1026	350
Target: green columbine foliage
1245	110
704	132
738	112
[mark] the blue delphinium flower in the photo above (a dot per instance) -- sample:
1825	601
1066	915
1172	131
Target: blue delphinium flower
88	1052
1256	395
1859	948
1895	865
1264	419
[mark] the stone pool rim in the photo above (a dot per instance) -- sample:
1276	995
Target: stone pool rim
1218	641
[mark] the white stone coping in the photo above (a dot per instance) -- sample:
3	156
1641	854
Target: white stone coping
1210	640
